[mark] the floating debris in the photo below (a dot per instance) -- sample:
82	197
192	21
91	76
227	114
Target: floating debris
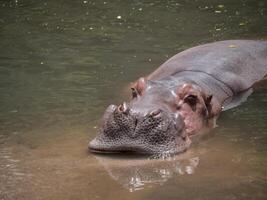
118	17
232	46
13	111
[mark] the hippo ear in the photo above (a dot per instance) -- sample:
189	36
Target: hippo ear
208	105
185	88
140	85
213	106
208	100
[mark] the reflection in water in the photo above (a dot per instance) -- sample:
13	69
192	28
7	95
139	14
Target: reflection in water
138	173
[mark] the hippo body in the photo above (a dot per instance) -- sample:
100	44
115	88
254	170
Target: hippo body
225	68
181	97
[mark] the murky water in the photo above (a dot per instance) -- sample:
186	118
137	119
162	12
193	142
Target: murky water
63	62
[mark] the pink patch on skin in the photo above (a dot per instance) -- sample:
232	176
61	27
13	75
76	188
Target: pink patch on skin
192	120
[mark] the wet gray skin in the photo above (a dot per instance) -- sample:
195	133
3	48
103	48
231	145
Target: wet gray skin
150	123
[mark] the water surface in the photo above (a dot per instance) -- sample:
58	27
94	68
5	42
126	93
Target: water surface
63	62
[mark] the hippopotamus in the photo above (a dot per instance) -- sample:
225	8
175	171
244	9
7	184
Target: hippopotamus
181	98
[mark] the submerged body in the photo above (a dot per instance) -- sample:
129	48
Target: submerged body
181	97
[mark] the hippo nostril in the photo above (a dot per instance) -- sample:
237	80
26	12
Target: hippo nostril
123	108
155	113
120	108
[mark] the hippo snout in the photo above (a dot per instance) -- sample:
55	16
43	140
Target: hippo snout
125	129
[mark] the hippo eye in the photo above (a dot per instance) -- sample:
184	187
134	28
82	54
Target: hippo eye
134	92
191	100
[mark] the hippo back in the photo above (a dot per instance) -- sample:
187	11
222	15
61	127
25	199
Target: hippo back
237	63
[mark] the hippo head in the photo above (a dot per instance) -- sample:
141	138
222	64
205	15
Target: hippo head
159	119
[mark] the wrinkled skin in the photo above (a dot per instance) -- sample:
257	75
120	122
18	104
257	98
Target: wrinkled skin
158	119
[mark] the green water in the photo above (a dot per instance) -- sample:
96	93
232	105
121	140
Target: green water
63	62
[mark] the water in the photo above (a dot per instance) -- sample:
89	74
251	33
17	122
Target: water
63	62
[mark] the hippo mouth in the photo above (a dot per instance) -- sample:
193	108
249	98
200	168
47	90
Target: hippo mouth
138	147
96	147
